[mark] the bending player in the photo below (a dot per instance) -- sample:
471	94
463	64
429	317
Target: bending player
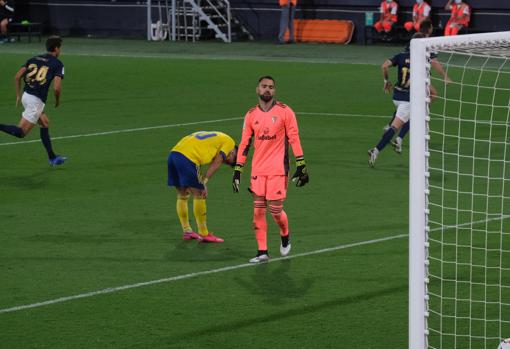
191	152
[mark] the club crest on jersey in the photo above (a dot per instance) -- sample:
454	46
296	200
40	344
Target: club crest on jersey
274	118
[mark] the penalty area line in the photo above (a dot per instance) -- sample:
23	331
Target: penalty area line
129	130
233	267
192	275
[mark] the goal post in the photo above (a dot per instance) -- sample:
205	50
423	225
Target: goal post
459	237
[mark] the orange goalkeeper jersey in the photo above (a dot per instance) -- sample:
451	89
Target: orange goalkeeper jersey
270	133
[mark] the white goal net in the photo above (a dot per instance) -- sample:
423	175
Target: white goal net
460	193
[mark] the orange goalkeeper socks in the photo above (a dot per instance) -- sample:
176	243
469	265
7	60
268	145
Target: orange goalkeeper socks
280	217
260	224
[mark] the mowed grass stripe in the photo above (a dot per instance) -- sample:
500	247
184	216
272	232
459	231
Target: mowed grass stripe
233	267
193	275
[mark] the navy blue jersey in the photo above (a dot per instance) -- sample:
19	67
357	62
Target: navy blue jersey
403	63
6	11
41	70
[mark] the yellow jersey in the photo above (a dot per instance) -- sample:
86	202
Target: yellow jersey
202	147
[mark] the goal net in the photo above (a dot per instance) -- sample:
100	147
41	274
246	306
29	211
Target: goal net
460	193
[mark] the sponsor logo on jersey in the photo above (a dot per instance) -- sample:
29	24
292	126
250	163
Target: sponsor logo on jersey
266	138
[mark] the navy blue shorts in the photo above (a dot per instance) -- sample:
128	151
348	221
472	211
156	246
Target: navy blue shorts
182	172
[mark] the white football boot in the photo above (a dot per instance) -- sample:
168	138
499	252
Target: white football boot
372	156
285	245
397	145
260	258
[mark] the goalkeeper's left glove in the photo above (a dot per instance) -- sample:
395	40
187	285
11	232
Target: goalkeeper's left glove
300	177
236	178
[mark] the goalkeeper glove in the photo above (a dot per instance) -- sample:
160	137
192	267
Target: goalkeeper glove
300	177
236	179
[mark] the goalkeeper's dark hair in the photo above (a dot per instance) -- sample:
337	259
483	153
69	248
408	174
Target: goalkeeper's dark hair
53	42
269	77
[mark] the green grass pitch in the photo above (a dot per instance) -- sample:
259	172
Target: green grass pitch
106	219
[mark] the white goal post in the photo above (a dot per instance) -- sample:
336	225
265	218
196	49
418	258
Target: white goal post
459	241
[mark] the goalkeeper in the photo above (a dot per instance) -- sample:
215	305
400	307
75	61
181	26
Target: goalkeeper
271	126
197	149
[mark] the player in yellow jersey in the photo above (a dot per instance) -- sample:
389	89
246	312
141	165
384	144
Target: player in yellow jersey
197	149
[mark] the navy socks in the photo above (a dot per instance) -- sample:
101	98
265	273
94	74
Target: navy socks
404	130
46	141
386	138
12	130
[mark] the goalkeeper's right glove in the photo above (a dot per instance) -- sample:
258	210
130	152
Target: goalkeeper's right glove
236	179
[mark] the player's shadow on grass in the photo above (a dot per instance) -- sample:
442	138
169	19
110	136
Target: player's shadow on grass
279	317
275	285
193	251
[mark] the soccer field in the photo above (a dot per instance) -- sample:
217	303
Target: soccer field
91	254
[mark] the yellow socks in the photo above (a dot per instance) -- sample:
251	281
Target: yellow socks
182	212
200	212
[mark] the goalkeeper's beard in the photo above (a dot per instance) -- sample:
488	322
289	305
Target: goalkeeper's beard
266	97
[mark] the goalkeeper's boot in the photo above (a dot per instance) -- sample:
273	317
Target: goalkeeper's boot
372	156
397	145
285	245
58	160
191	235
261	257
211	238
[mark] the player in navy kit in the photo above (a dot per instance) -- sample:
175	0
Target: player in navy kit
38	73
400	98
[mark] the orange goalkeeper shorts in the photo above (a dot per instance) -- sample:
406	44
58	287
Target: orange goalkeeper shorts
270	187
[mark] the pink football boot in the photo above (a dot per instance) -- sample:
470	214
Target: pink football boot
211	238
191	235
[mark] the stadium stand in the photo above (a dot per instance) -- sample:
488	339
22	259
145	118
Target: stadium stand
128	18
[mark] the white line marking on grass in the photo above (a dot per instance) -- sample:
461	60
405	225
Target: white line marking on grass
448	227
192	275
220	270
129	130
345	114
198	56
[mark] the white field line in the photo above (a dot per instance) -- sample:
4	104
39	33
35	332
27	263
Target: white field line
129	130
343	114
192	275
220	270
230	57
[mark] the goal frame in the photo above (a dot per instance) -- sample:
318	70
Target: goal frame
419	174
